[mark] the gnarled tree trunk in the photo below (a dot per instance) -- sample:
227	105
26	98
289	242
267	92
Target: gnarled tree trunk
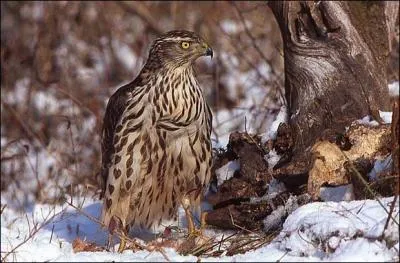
335	67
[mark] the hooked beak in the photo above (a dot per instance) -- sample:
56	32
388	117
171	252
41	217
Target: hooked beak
209	52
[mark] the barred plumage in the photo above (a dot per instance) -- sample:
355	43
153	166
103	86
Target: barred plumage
156	146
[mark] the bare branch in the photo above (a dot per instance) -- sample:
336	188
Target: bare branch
140	10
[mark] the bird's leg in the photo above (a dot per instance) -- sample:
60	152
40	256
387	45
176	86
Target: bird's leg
189	218
110	242
192	231
116	225
203	221
189	215
123	237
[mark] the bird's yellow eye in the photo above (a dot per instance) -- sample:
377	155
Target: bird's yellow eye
185	45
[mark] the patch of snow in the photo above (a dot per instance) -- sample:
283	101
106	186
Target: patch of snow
369	121
34	168
386	116
89	124
337	194
306	230
272	131
272	159
253	111
394	89
229	26
19	95
274	220
4	141
333	242
125	54
275	187
46	102
224	122
349	229
226	172
380	166
373	251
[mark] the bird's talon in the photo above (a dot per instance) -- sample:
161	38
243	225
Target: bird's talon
195	233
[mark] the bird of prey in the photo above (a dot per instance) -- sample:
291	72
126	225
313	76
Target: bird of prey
156	146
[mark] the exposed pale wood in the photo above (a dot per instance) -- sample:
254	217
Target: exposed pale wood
335	65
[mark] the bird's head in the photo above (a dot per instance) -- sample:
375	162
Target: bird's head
178	48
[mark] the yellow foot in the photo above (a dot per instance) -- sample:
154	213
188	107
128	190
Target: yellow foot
192	231
122	245
197	233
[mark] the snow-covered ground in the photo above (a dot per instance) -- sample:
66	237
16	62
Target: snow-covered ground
320	231
327	231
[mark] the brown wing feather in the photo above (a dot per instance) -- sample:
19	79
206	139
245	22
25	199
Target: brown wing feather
115	108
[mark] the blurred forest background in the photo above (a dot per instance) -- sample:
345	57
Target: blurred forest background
61	61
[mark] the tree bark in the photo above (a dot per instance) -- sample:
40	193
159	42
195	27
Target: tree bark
335	66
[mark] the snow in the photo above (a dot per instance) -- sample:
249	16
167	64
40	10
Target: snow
309	227
386	116
229	26
394	89
369	121
273	129
272	159
19	95
328	231
350	230
226	172
380	165
253	110
338	193
275	187
125	54
273	221
46	102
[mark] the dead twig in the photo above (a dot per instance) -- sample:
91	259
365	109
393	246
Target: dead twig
240	227
390	213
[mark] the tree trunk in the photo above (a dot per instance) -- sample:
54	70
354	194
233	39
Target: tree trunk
335	66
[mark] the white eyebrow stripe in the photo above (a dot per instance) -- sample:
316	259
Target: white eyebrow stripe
178	39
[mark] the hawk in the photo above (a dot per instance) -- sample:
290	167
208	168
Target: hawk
156	146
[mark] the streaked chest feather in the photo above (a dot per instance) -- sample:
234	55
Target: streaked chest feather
172	102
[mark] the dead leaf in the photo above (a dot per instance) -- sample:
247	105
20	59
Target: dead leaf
80	245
